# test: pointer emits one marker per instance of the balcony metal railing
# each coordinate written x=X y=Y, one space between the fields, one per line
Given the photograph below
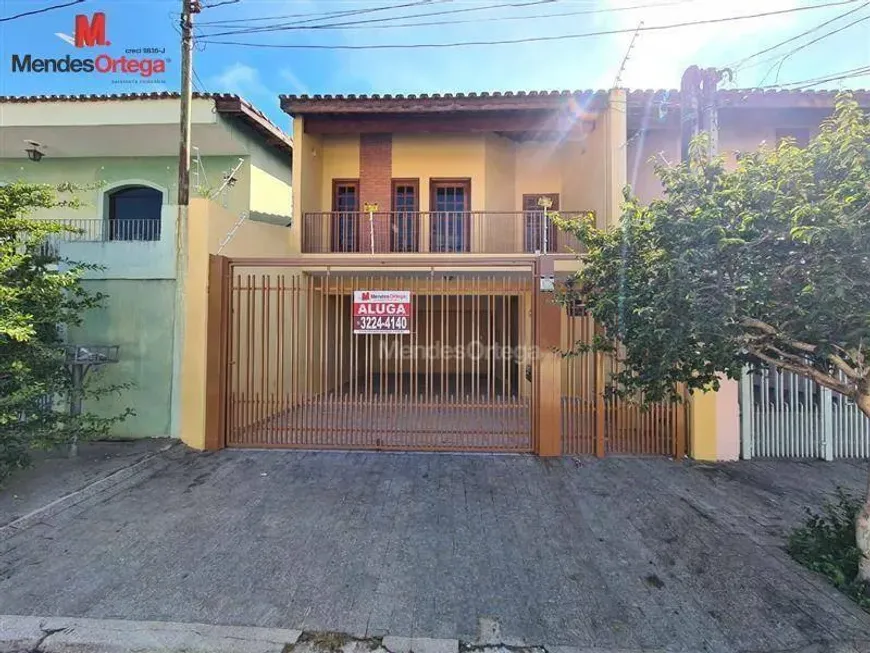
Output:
x=488 y=232
x=100 y=230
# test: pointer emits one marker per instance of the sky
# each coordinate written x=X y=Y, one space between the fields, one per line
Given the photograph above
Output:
x=656 y=60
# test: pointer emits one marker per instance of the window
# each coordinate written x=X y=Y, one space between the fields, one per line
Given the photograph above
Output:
x=540 y=232
x=450 y=222
x=404 y=218
x=800 y=135
x=134 y=213
x=345 y=214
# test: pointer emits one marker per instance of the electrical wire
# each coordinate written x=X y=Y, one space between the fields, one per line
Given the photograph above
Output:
x=534 y=39
x=832 y=77
x=299 y=26
x=358 y=25
x=809 y=43
x=326 y=14
x=220 y=4
x=40 y=11
x=737 y=65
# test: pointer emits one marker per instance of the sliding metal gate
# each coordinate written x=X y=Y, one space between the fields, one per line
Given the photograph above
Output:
x=784 y=415
x=594 y=422
x=299 y=377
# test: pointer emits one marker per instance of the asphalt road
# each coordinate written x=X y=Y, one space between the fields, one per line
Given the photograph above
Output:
x=619 y=553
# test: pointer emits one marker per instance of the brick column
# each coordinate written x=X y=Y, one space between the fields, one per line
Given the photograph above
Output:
x=375 y=187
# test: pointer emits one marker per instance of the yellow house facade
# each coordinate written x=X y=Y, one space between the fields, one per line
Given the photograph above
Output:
x=411 y=305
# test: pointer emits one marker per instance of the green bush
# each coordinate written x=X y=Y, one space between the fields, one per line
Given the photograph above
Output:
x=826 y=543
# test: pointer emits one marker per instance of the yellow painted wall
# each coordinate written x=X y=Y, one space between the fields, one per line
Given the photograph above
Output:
x=271 y=194
x=340 y=160
x=208 y=225
x=659 y=144
x=434 y=156
x=501 y=233
x=307 y=178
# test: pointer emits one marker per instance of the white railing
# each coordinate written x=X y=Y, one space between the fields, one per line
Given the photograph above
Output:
x=784 y=415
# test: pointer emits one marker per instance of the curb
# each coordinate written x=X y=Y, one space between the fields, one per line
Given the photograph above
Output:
x=22 y=634
x=65 y=635
x=141 y=468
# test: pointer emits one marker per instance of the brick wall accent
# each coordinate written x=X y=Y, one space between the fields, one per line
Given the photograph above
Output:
x=375 y=186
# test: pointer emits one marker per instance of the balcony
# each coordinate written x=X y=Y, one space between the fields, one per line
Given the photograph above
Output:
x=139 y=248
x=95 y=230
x=436 y=232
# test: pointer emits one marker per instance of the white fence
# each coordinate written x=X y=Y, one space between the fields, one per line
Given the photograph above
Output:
x=783 y=415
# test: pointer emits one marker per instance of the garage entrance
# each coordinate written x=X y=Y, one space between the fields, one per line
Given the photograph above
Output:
x=298 y=376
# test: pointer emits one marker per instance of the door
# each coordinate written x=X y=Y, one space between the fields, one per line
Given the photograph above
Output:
x=450 y=221
x=405 y=215
x=345 y=214
x=540 y=232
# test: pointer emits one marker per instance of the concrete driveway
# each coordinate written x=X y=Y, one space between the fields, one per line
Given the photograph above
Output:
x=617 y=554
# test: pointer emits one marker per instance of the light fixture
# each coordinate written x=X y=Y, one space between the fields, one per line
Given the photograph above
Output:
x=33 y=151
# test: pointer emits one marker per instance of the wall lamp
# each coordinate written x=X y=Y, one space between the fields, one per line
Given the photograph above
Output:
x=33 y=152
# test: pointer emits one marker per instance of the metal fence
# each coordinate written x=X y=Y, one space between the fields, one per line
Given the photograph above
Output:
x=453 y=232
x=784 y=415
x=100 y=230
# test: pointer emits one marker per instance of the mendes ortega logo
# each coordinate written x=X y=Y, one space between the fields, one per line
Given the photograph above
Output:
x=136 y=65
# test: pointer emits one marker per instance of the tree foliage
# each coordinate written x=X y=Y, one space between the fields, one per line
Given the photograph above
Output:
x=39 y=295
x=766 y=261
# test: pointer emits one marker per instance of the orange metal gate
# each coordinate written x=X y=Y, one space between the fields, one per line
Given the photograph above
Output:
x=297 y=376
x=593 y=422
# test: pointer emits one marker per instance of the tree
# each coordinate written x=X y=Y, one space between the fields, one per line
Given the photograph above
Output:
x=765 y=263
x=39 y=294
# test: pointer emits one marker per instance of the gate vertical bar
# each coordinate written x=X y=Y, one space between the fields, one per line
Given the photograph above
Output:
x=826 y=401
x=746 y=414
x=217 y=331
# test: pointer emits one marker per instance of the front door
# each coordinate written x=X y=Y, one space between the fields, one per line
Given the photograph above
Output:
x=450 y=221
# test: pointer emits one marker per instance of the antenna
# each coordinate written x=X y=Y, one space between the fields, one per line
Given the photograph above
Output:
x=618 y=79
x=229 y=181
x=200 y=178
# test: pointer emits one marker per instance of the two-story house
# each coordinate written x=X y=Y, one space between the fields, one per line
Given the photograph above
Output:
x=415 y=308
x=124 y=150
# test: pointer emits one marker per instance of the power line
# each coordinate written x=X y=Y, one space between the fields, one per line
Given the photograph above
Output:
x=832 y=77
x=809 y=43
x=563 y=37
x=358 y=25
x=299 y=26
x=739 y=64
x=326 y=14
x=40 y=11
x=220 y=4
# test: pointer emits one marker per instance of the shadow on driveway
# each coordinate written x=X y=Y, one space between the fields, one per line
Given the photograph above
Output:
x=616 y=553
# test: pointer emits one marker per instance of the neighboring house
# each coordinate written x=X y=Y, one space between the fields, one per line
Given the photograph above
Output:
x=126 y=147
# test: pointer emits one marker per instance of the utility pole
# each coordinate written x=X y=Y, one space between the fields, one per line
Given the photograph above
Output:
x=188 y=9
x=699 y=107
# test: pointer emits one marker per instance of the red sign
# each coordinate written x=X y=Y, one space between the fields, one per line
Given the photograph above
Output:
x=381 y=311
x=91 y=33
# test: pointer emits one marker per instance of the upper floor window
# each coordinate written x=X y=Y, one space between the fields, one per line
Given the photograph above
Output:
x=134 y=213
x=404 y=217
x=345 y=207
x=450 y=220
x=800 y=135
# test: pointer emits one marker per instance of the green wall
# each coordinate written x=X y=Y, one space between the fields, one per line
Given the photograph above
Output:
x=138 y=316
